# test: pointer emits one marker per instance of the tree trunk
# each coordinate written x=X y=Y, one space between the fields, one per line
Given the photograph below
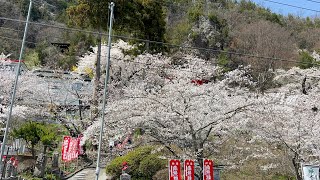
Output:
x=80 y=114
x=296 y=165
x=33 y=152
x=96 y=89
x=198 y=150
x=200 y=157
x=44 y=163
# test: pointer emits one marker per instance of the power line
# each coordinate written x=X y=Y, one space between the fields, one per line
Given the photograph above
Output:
x=44 y=2
x=10 y=29
x=196 y=48
x=53 y=26
x=290 y=5
x=19 y=40
x=313 y=1
x=159 y=42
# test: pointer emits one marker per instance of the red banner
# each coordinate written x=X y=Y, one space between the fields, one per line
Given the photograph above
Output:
x=208 y=169
x=174 y=170
x=65 y=147
x=80 y=149
x=188 y=170
x=70 y=148
x=73 y=149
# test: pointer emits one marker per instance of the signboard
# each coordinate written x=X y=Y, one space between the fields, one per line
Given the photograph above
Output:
x=174 y=170
x=208 y=169
x=70 y=148
x=188 y=170
x=310 y=172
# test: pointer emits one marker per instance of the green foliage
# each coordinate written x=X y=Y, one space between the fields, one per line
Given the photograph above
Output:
x=283 y=177
x=50 y=56
x=32 y=58
x=29 y=131
x=140 y=18
x=150 y=165
x=179 y=33
x=307 y=61
x=247 y=6
x=141 y=162
x=259 y=12
x=138 y=132
x=195 y=11
x=224 y=62
x=221 y=26
x=50 y=177
x=33 y=133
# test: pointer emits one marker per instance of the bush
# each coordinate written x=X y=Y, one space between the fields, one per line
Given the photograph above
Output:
x=142 y=164
x=32 y=59
x=150 y=165
x=179 y=33
x=195 y=12
x=224 y=62
x=307 y=61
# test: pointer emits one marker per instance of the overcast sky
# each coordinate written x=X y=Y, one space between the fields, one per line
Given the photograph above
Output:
x=285 y=10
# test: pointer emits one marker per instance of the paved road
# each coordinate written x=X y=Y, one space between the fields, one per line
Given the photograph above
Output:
x=89 y=174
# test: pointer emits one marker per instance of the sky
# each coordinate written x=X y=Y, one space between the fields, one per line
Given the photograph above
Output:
x=285 y=10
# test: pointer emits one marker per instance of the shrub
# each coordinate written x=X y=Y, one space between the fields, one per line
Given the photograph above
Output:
x=224 y=62
x=306 y=60
x=179 y=33
x=150 y=165
x=142 y=164
x=195 y=12
x=32 y=58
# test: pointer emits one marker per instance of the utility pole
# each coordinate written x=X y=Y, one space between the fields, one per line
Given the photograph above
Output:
x=105 y=91
x=15 y=84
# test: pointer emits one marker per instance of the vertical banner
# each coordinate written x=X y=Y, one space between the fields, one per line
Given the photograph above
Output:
x=310 y=172
x=80 y=149
x=208 y=169
x=188 y=170
x=174 y=169
x=65 y=148
x=70 y=148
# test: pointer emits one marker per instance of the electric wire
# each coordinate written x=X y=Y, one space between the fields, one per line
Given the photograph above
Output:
x=205 y=49
x=164 y=43
x=313 y=1
x=44 y=2
x=11 y=29
x=290 y=5
x=19 y=40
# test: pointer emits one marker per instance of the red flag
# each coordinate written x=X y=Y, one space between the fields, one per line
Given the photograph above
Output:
x=208 y=169
x=188 y=170
x=174 y=170
x=80 y=149
x=65 y=148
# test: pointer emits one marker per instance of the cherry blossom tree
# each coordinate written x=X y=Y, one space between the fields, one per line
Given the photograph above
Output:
x=177 y=104
x=288 y=117
x=44 y=96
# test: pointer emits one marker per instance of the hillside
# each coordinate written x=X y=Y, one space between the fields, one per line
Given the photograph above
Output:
x=221 y=26
x=191 y=106
x=233 y=81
